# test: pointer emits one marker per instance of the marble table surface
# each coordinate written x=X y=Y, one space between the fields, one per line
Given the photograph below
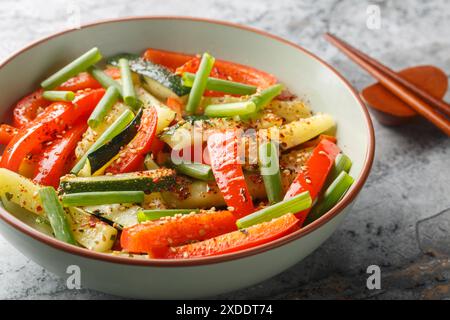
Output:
x=401 y=221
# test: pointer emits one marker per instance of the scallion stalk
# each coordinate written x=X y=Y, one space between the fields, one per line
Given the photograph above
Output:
x=104 y=106
x=199 y=85
x=105 y=80
x=263 y=98
x=128 y=92
x=56 y=215
x=100 y=198
x=341 y=163
x=296 y=204
x=220 y=85
x=230 y=109
x=151 y=215
x=332 y=195
x=196 y=170
x=270 y=171
x=58 y=95
x=72 y=69
x=149 y=163
x=116 y=127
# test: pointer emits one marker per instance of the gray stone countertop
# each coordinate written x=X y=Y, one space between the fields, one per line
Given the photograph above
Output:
x=395 y=223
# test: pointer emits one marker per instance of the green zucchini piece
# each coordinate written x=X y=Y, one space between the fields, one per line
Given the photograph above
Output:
x=147 y=181
x=100 y=157
x=157 y=79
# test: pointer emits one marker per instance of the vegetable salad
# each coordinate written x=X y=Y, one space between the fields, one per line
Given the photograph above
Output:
x=168 y=156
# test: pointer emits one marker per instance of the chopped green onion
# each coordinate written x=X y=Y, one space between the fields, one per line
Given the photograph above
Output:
x=199 y=85
x=151 y=215
x=103 y=107
x=341 y=163
x=58 y=95
x=270 y=171
x=220 y=85
x=56 y=215
x=296 y=204
x=149 y=163
x=263 y=98
x=128 y=93
x=99 y=198
x=105 y=80
x=116 y=127
x=332 y=195
x=196 y=170
x=230 y=109
x=72 y=69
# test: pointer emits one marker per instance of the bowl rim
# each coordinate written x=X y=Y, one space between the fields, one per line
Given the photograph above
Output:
x=111 y=258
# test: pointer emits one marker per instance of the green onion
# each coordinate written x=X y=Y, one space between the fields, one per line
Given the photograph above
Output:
x=149 y=163
x=263 y=98
x=99 y=198
x=128 y=93
x=58 y=95
x=105 y=80
x=103 y=107
x=270 y=171
x=56 y=215
x=199 y=85
x=117 y=127
x=150 y=215
x=220 y=85
x=230 y=109
x=296 y=204
x=72 y=69
x=341 y=163
x=196 y=170
x=332 y=195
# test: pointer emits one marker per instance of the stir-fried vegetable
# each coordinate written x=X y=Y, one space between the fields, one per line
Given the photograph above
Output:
x=201 y=149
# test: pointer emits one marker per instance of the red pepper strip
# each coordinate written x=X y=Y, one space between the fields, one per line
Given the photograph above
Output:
x=156 y=237
x=157 y=146
x=132 y=156
x=223 y=153
x=80 y=82
x=312 y=179
x=87 y=100
x=237 y=240
x=222 y=69
x=27 y=108
x=52 y=121
x=7 y=132
x=53 y=162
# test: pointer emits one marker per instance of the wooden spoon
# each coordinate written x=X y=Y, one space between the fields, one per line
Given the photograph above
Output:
x=390 y=110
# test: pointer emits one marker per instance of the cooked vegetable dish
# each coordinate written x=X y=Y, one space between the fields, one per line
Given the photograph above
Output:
x=168 y=156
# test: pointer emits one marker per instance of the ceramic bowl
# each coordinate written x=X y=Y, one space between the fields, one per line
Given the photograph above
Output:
x=305 y=74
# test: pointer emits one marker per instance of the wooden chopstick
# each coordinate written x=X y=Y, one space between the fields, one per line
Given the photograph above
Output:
x=397 y=88
x=433 y=101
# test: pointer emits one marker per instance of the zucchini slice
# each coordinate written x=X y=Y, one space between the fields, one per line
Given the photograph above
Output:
x=147 y=181
x=101 y=157
x=90 y=232
x=157 y=79
x=123 y=215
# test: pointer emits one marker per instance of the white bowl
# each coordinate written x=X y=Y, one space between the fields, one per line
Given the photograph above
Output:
x=302 y=72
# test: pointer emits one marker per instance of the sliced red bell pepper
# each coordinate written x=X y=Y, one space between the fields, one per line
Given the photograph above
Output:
x=237 y=240
x=316 y=171
x=222 y=69
x=131 y=158
x=55 y=119
x=27 y=108
x=157 y=237
x=223 y=152
x=80 y=82
x=53 y=163
x=7 y=132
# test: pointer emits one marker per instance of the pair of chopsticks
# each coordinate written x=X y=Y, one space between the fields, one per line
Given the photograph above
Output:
x=434 y=110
